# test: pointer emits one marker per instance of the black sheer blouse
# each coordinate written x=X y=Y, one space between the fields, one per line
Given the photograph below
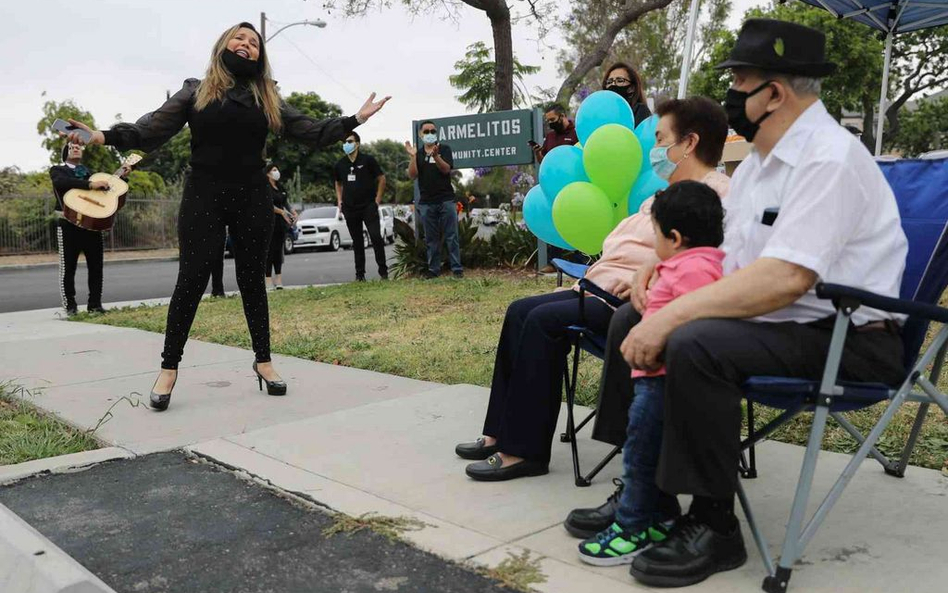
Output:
x=228 y=137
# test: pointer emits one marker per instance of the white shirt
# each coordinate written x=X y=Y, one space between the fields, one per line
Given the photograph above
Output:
x=835 y=215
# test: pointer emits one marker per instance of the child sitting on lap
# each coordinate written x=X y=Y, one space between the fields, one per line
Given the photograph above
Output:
x=689 y=226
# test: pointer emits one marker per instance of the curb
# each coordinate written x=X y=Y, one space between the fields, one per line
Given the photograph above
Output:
x=30 y=563
x=82 y=263
x=59 y=465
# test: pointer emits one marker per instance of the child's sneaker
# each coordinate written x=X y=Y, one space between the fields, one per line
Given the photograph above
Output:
x=614 y=545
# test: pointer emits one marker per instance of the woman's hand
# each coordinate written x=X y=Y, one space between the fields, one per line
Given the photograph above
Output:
x=287 y=217
x=640 y=283
x=73 y=137
x=370 y=108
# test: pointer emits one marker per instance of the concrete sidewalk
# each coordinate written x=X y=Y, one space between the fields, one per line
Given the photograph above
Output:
x=360 y=441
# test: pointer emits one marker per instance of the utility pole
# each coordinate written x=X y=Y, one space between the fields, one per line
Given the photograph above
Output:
x=263 y=25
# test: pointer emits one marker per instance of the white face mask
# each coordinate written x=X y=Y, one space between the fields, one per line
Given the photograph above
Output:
x=275 y=174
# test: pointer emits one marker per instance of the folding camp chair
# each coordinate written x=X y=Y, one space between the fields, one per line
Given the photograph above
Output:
x=921 y=189
x=582 y=339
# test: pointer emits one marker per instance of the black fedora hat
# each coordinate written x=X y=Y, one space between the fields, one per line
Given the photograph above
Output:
x=780 y=46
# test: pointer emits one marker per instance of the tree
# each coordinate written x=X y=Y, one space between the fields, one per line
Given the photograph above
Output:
x=172 y=159
x=392 y=159
x=919 y=65
x=924 y=128
x=497 y=11
x=314 y=166
x=654 y=43
x=97 y=158
x=475 y=76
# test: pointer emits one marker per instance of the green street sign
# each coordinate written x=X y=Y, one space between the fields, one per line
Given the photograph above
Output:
x=487 y=139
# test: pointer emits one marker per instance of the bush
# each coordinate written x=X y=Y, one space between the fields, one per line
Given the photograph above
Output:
x=510 y=246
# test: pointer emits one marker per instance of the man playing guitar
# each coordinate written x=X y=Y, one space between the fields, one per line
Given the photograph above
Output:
x=74 y=240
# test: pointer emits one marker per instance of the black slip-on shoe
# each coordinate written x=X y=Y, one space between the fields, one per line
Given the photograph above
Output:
x=692 y=553
x=475 y=451
x=491 y=470
x=585 y=523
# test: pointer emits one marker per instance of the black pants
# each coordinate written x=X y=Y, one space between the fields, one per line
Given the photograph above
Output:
x=74 y=240
x=615 y=386
x=708 y=360
x=527 y=387
x=275 y=252
x=355 y=217
x=207 y=206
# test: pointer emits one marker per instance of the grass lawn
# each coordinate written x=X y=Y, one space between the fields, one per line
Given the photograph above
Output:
x=446 y=331
x=26 y=433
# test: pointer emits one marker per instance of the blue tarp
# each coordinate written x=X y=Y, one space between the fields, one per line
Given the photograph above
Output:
x=881 y=14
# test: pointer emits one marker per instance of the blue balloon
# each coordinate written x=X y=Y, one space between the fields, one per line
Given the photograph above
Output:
x=645 y=187
x=538 y=214
x=560 y=167
x=645 y=132
x=599 y=109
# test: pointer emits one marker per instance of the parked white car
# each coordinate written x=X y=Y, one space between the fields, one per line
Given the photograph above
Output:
x=325 y=227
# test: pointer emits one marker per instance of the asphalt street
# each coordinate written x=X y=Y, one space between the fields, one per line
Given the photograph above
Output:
x=38 y=287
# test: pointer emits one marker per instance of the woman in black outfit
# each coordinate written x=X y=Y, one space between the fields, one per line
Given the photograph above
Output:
x=230 y=113
x=623 y=80
x=282 y=219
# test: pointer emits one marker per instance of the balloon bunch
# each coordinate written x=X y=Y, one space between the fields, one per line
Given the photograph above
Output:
x=587 y=189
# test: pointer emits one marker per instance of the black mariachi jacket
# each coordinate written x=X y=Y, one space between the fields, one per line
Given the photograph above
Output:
x=228 y=137
x=66 y=178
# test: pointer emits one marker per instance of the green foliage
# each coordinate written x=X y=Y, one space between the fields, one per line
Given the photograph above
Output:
x=924 y=128
x=171 y=160
x=145 y=183
x=475 y=77
x=97 y=158
x=314 y=165
x=393 y=160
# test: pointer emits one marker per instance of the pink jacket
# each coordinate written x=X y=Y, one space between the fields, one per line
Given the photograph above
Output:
x=685 y=272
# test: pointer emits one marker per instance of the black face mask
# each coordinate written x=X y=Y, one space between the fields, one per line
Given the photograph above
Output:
x=623 y=91
x=557 y=127
x=735 y=104
x=240 y=67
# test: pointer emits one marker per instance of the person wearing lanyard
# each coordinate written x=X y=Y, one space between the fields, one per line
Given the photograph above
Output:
x=432 y=168
x=283 y=217
x=360 y=184
x=808 y=203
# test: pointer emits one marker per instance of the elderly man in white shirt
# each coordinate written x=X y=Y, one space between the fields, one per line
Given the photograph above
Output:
x=808 y=204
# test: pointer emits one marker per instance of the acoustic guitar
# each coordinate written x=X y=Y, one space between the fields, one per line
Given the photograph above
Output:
x=95 y=209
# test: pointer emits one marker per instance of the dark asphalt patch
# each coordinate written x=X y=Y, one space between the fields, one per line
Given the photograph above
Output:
x=165 y=523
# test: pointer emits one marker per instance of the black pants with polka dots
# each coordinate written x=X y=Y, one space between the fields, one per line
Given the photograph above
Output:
x=207 y=207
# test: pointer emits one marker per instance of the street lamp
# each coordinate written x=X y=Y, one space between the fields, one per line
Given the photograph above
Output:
x=263 y=26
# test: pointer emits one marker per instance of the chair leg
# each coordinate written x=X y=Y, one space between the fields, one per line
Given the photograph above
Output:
x=570 y=426
x=749 y=466
x=605 y=461
x=586 y=420
x=755 y=530
x=899 y=469
x=860 y=439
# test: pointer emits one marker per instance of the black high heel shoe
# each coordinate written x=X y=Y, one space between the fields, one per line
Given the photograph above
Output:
x=160 y=401
x=273 y=387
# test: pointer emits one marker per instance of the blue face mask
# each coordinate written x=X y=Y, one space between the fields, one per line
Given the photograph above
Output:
x=348 y=147
x=430 y=138
x=662 y=166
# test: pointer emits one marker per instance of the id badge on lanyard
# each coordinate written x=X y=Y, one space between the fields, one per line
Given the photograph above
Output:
x=352 y=175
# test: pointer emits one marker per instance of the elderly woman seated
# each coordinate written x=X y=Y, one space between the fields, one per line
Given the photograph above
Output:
x=527 y=385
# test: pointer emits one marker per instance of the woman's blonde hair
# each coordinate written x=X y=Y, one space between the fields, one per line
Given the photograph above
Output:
x=218 y=79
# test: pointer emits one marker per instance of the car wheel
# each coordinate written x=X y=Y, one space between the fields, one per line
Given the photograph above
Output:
x=288 y=245
x=334 y=242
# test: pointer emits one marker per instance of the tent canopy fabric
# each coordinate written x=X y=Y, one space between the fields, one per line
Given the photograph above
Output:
x=888 y=16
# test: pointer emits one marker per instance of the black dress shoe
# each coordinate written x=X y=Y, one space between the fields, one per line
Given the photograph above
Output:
x=692 y=553
x=71 y=310
x=585 y=523
x=360 y=277
x=95 y=309
x=476 y=450
x=160 y=401
x=273 y=387
x=490 y=470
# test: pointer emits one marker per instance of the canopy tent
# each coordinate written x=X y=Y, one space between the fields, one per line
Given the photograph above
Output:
x=889 y=17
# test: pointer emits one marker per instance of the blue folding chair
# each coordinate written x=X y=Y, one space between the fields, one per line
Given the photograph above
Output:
x=921 y=189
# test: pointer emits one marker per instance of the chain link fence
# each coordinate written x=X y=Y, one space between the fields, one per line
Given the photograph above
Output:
x=28 y=224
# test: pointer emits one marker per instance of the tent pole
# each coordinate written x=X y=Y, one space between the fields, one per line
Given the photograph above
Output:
x=689 y=44
x=884 y=95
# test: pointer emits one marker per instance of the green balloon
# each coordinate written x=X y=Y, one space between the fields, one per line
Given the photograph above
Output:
x=583 y=216
x=612 y=157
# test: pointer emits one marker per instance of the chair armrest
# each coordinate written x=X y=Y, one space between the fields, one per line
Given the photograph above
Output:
x=569 y=268
x=838 y=293
x=591 y=287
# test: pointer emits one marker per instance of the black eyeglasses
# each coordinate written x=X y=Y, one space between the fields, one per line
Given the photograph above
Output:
x=618 y=80
x=550 y=122
x=430 y=131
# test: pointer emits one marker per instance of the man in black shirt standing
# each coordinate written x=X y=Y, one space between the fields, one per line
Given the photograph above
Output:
x=432 y=168
x=360 y=184
x=73 y=239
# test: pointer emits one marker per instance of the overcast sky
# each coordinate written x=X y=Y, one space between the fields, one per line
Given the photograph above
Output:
x=119 y=57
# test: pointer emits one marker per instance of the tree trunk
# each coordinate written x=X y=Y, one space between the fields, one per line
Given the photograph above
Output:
x=630 y=12
x=499 y=14
x=868 y=123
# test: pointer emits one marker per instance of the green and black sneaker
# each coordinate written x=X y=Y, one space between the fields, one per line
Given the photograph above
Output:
x=614 y=545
